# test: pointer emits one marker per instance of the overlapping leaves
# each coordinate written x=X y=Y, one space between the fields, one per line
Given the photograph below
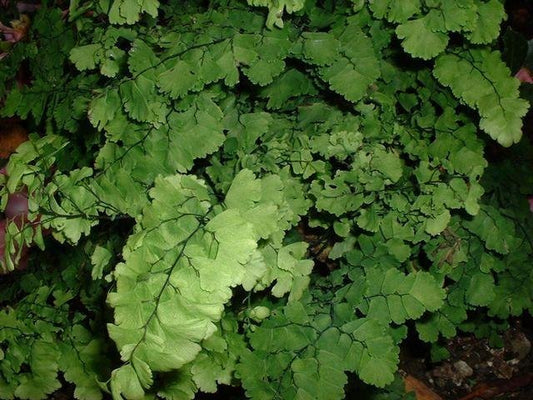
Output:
x=212 y=129
x=482 y=81
x=185 y=256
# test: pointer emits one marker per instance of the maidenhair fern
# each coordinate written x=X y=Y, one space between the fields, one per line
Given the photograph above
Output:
x=267 y=195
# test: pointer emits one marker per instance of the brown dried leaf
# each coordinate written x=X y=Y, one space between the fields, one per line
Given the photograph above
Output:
x=422 y=391
x=11 y=136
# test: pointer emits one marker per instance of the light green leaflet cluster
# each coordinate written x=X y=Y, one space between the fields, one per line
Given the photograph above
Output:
x=262 y=195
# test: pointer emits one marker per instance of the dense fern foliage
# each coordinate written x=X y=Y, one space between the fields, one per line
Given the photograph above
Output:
x=269 y=195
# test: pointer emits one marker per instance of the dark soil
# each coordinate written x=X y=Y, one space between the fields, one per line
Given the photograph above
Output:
x=475 y=370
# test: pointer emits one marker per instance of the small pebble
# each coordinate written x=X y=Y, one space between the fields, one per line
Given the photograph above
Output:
x=520 y=345
x=463 y=369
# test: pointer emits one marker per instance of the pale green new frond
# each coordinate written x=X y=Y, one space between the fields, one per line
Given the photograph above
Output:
x=179 y=269
x=480 y=79
x=285 y=269
x=274 y=204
